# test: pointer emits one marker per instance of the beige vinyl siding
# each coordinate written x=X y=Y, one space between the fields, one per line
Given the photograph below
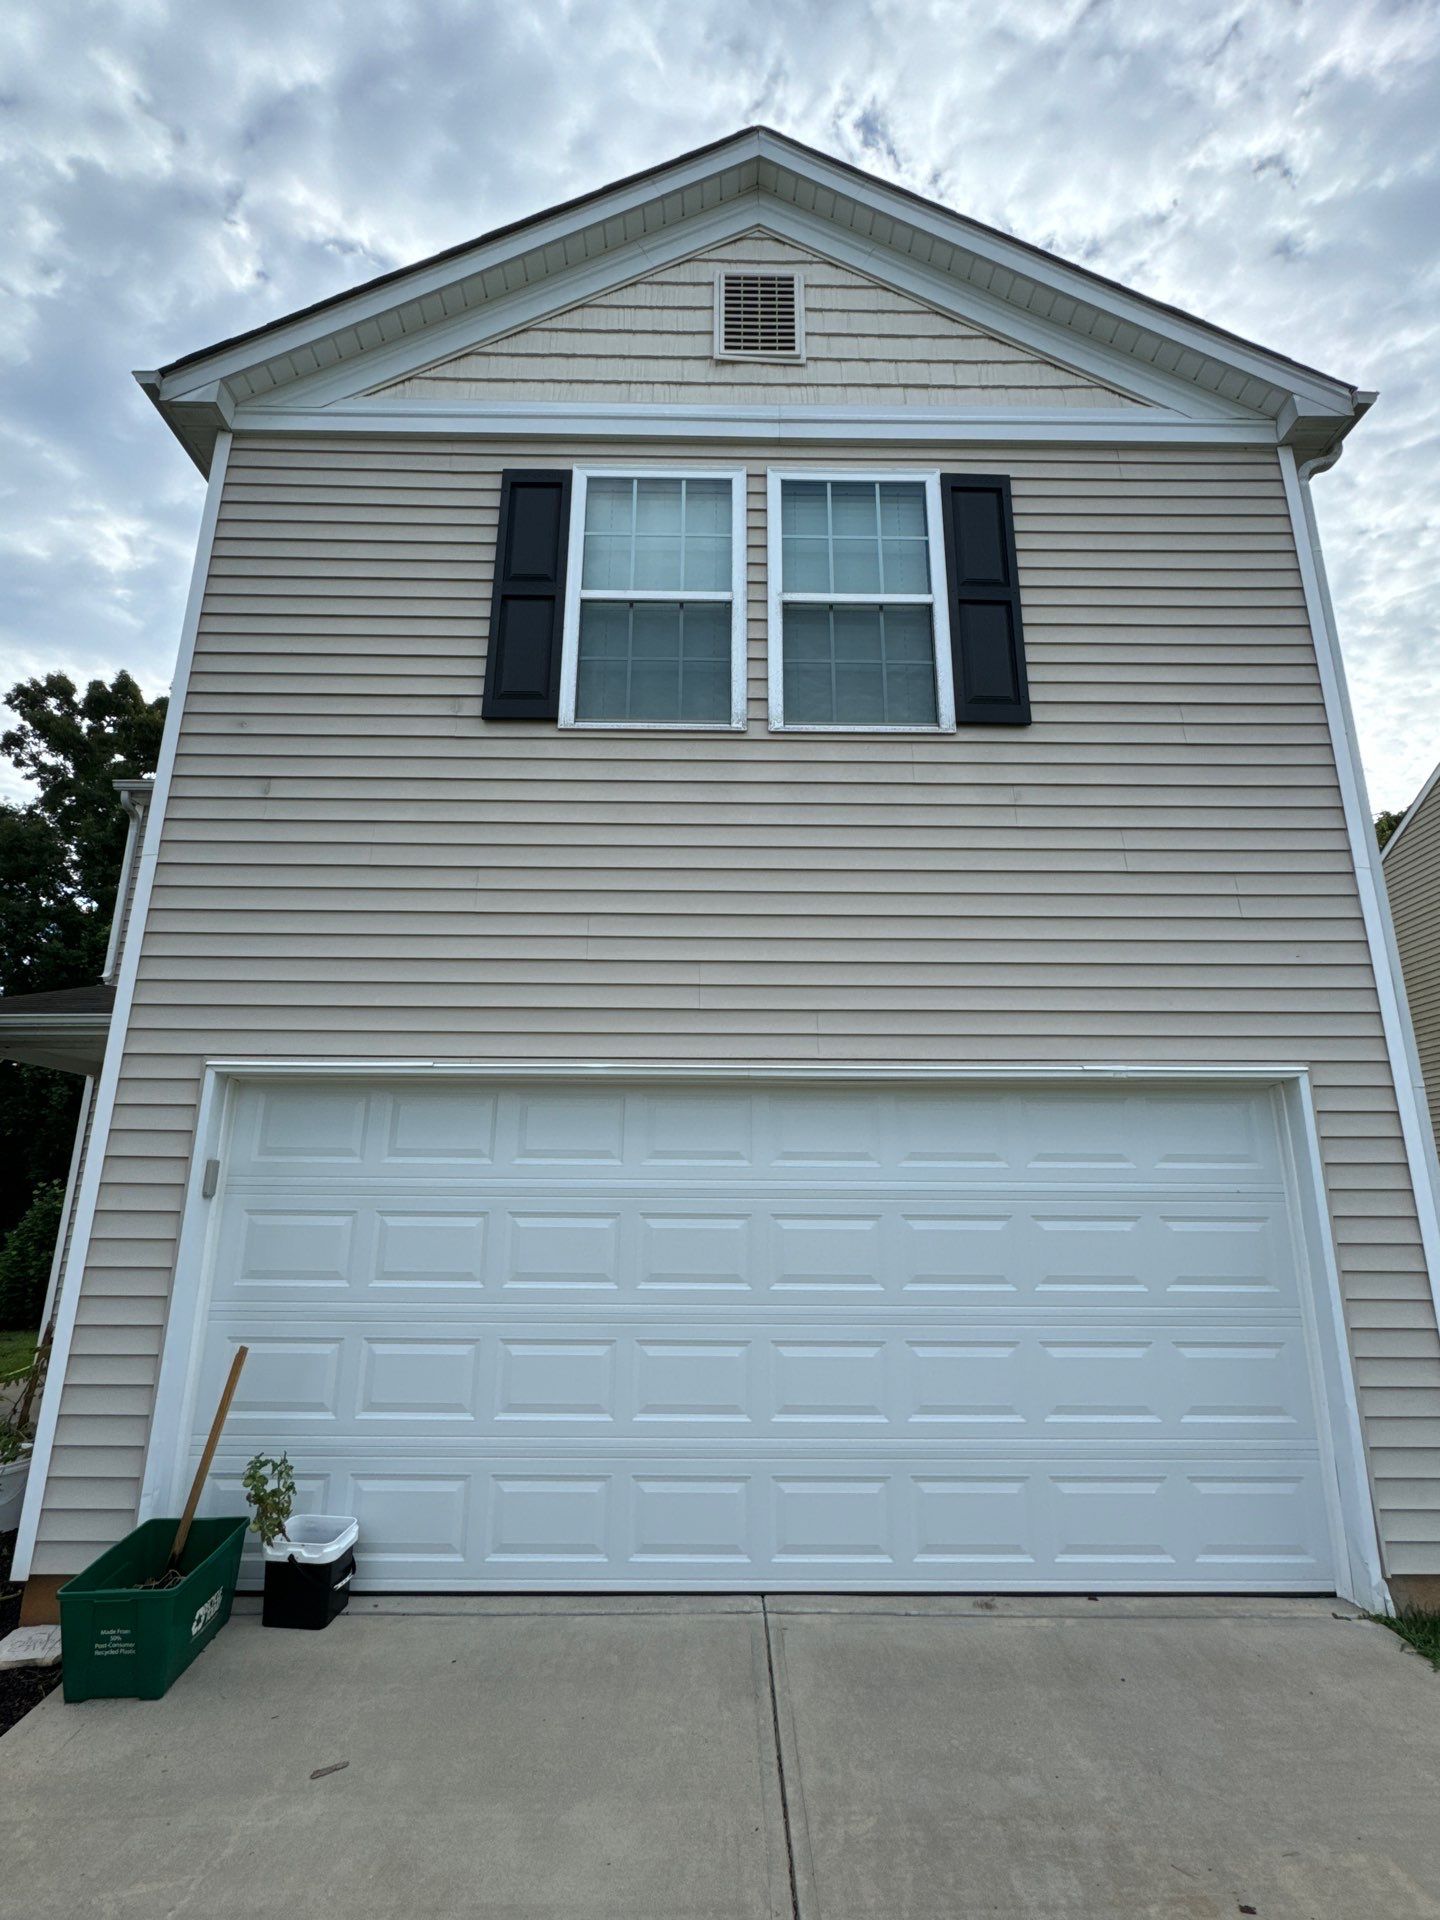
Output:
x=353 y=864
x=1412 y=877
x=653 y=342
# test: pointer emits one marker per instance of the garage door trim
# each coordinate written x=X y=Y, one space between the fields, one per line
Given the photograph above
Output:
x=1347 y=1488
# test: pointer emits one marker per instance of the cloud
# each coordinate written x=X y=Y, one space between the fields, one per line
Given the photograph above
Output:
x=1274 y=167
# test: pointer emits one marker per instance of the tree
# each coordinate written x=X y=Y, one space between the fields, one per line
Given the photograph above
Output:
x=72 y=747
x=1386 y=823
x=25 y=1257
x=60 y=859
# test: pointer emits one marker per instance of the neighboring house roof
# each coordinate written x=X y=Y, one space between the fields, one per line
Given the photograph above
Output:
x=65 y=1028
x=1410 y=812
x=619 y=232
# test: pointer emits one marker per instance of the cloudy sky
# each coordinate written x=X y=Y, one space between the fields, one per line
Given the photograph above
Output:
x=176 y=173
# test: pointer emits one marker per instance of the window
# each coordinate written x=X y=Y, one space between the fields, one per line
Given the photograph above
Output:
x=655 y=602
x=758 y=317
x=859 y=635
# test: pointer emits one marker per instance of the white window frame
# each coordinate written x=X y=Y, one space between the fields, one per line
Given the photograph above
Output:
x=575 y=596
x=722 y=352
x=938 y=601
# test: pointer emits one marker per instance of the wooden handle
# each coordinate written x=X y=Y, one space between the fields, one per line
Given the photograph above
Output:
x=182 y=1532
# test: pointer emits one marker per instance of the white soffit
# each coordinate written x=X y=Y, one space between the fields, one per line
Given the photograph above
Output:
x=328 y=355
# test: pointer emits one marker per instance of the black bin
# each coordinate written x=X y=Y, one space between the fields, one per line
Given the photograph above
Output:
x=309 y=1571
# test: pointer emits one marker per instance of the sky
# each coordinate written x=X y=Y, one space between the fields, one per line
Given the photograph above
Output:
x=171 y=174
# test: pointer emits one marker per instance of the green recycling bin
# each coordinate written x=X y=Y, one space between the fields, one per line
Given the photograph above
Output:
x=121 y=1642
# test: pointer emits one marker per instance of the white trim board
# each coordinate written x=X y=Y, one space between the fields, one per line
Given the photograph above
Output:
x=1365 y=855
x=1349 y=1494
x=574 y=424
x=69 y=1300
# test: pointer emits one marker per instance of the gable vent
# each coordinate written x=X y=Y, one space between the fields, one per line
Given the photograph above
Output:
x=759 y=316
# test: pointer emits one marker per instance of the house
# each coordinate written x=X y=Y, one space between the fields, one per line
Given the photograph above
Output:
x=1411 y=865
x=759 y=961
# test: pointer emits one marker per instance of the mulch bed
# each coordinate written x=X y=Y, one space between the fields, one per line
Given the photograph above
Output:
x=21 y=1688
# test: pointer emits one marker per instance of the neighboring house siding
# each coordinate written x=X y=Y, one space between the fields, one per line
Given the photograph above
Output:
x=653 y=342
x=353 y=864
x=1412 y=877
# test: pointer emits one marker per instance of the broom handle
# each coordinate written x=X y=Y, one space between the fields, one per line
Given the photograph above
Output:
x=182 y=1532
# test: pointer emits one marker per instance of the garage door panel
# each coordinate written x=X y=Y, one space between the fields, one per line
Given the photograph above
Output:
x=1077 y=1135
x=569 y=1519
x=763 y=1250
x=572 y=1334
x=1051 y=1384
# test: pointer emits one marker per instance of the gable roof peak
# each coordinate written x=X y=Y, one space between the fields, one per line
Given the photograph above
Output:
x=774 y=175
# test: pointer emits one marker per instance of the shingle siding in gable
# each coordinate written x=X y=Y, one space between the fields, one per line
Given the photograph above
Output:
x=652 y=342
x=353 y=864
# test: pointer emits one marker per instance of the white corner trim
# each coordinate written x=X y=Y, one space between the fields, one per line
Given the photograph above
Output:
x=67 y=1206
x=69 y=1301
x=1351 y=1498
x=1374 y=900
x=1410 y=812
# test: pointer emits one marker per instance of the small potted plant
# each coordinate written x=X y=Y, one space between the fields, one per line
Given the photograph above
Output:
x=15 y=1445
x=309 y=1557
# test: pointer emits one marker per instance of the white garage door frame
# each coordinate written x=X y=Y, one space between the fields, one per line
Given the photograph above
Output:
x=1358 y=1571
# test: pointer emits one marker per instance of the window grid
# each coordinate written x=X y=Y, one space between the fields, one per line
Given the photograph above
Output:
x=781 y=597
x=677 y=590
x=890 y=692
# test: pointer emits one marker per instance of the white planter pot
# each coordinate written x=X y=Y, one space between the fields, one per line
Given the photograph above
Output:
x=12 y=1491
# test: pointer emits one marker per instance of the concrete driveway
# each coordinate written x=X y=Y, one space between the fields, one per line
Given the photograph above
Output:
x=723 y=1759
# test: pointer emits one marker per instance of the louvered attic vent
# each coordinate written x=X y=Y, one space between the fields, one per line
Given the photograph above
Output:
x=759 y=317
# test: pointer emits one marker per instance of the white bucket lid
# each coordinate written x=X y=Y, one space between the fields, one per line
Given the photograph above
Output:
x=315 y=1538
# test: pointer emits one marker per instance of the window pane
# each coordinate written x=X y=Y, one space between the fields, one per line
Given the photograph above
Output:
x=854 y=536
x=653 y=660
x=859 y=666
x=655 y=535
x=852 y=510
x=610 y=506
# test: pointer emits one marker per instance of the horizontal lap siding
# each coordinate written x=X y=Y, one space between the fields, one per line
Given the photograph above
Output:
x=1155 y=871
x=652 y=342
x=1412 y=876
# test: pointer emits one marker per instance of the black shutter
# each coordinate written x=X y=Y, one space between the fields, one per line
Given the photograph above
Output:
x=522 y=663
x=986 y=638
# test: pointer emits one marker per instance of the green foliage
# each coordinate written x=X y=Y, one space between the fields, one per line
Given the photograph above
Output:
x=38 y=1113
x=26 y=1254
x=1418 y=1628
x=60 y=857
x=72 y=746
x=1386 y=823
x=270 y=1490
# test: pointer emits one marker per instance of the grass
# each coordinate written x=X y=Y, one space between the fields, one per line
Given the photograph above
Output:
x=1417 y=1628
x=17 y=1349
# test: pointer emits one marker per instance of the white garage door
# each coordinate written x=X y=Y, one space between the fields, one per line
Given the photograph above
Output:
x=544 y=1335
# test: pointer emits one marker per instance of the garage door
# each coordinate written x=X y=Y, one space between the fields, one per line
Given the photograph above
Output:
x=739 y=1335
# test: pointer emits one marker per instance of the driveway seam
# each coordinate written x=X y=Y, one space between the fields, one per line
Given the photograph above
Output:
x=781 y=1745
